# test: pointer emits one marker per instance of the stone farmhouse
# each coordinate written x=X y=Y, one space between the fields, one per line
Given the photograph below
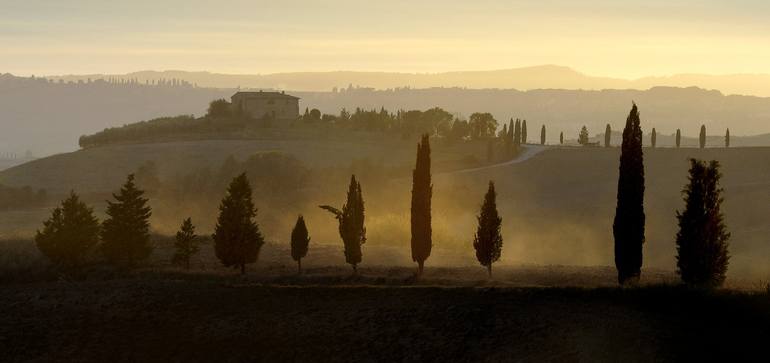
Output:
x=266 y=105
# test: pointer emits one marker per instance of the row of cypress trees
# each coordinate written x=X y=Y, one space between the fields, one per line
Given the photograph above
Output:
x=678 y=137
x=702 y=240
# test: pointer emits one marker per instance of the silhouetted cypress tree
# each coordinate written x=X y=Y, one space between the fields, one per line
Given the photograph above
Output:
x=561 y=138
x=678 y=138
x=237 y=239
x=517 y=134
x=511 y=134
x=524 y=131
x=126 y=231
x=701 y=242
x=583 y=136
x=653 y=138
x=703 y=136
x=542 y=135
x=607 y=135
x=488 y=241
x=299 y=242
x=351 y=223
x=186 y=244
x=504 y=134
x=70 y=234
x=628 y=227
x=727 y=138
x=422 y=192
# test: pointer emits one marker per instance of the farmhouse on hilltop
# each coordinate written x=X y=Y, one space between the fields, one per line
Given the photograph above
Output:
x=272 y=105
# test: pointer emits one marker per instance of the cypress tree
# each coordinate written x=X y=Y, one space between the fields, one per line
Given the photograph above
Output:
x=653 y=138
x=186 y=244
x=702 y=136
x=351 y=223
x=422 y=192
x=678 y=138
x=561 y=138
x=126 y=232
x=488 y=241
x=70 y=234
x=299 y=242
x=524 y=132
x=237 y=239
x=517 y=134
x=607 y=135
x=701 y=242
x=628 y=227
x=727 y=138
x=542 y=135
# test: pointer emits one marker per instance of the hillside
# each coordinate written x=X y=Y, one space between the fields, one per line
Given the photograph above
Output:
x=557 y=206
x=74 y=109
x=524 y=78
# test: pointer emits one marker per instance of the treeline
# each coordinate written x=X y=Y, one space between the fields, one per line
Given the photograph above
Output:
x=221 y=118
x=23 y=197
x=702 y=258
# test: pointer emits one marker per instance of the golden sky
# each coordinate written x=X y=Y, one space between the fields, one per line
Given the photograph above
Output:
x=626 y=39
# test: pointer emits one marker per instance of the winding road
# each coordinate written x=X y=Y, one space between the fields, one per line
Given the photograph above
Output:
x=529 y=152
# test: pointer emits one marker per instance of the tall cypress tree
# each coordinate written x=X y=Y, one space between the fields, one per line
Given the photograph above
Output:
x=727 y=138
x=517 y=134
x=542 y=135
x=70 y=234
x=702 y=137
x=561 y=138
x=237 y=239
x=628 y=227
x=607 y=135
x=678 y=138
x=299 y=242
x=422 y=192
x=653 y=138
x=126 y=231
x=701 y=242
x=488 y=241
x=524 y=131
x=351 y=223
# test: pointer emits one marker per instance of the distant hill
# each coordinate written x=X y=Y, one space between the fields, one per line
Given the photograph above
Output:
x=525 y=78
x=47 y=117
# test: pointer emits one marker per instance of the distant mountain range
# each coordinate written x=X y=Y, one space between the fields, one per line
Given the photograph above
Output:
x=527 y=78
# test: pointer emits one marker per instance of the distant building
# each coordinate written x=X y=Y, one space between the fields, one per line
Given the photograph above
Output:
x=272 y=105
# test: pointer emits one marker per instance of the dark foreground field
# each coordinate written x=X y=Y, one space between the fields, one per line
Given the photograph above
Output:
x=216 y=318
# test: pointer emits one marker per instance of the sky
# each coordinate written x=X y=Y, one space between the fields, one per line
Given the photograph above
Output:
x=624 y=39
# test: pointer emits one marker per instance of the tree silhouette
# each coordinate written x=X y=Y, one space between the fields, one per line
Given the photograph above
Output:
x=488 y=241
x=727 y=138
x=186 y=244
x=237 y=239
x=678 y=138
x=511 y=145
x=351 y=223
x=542 y=135
x=583 y=136
x=561 y=138
x=653 y=138
x=702 y=136
x=70 y=234
x=628 y=227
x=422 y=192
x=299 y=242
x=701 y=242
x=524 y=132
x=126 y=232
x=607 y=135
x=517 y=134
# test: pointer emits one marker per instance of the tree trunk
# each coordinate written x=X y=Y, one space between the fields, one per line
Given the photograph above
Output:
x=355 y=269
x=243 y=269
x=420 y=265
x=299 y=266
x=489 y=270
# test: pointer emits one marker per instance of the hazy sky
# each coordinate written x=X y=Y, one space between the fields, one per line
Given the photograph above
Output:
x=626 y=39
